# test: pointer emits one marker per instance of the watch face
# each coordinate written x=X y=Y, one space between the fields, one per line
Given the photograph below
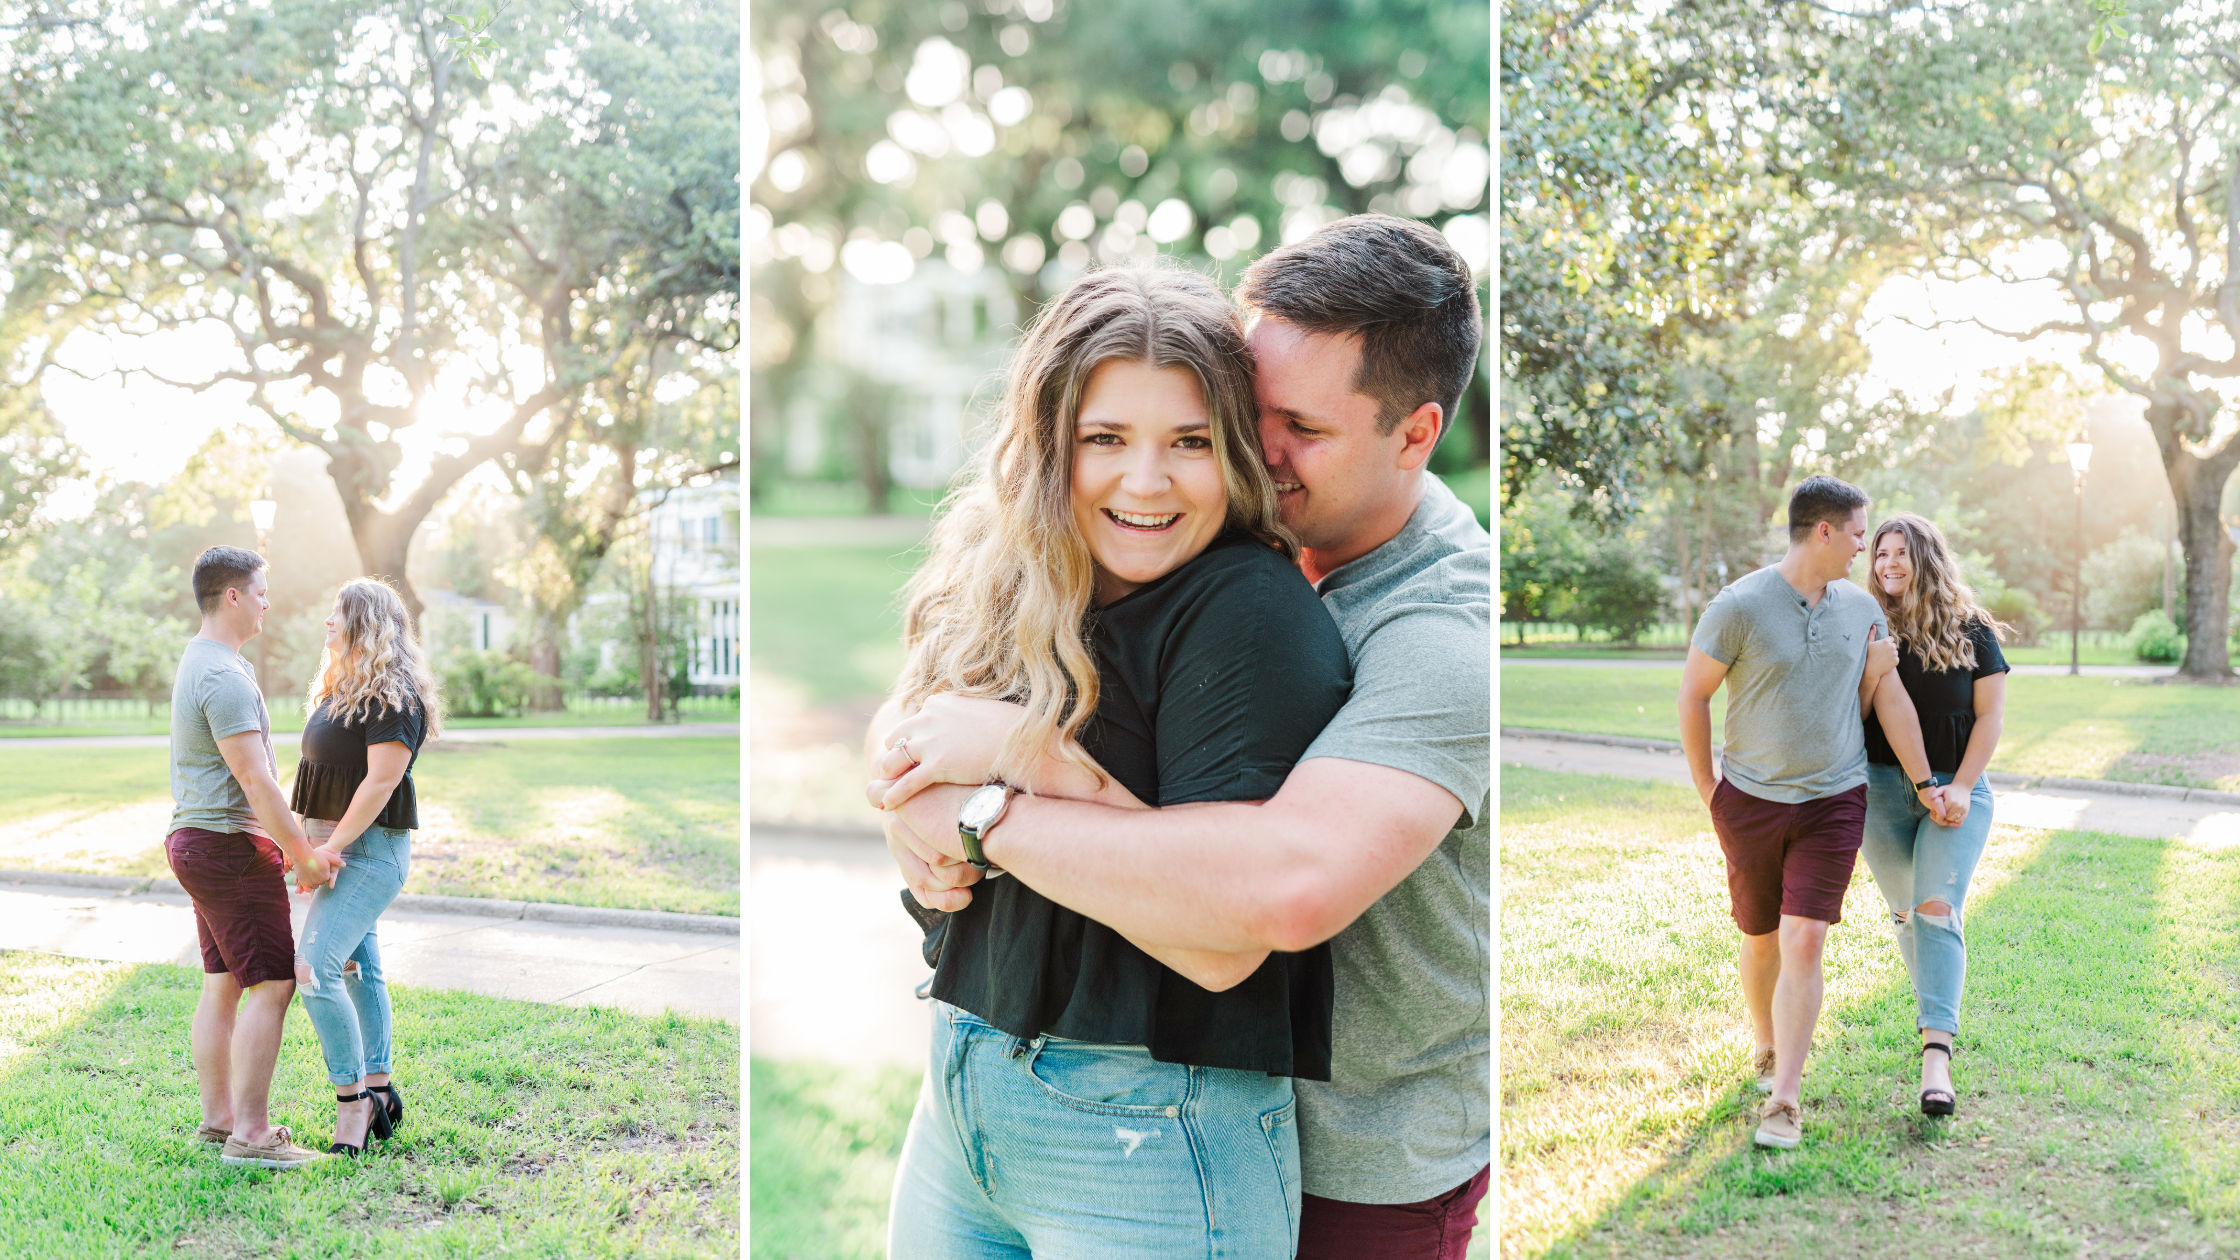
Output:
x=981 y=806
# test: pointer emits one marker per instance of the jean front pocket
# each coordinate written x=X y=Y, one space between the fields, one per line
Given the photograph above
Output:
x=1107 y=1080
x=1282 y=1127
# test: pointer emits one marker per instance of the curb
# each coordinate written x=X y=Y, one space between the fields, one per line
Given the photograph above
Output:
x=1998 y=778
x=818 y=830
x=1614 y=741
x=485 y=907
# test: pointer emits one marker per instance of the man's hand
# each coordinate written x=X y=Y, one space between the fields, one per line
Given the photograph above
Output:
x=313 y=870
x=939 y=884
x=922 y=838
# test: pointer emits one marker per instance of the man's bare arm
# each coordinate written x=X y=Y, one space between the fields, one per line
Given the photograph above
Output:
x=941 y=882
x=1231 y=878
x=1699 y=681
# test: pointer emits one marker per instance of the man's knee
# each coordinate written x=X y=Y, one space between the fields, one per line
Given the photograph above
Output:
x=1798 y=933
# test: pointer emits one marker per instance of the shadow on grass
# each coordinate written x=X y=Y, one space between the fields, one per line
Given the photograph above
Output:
x=2098 y=982
x=530 y=1131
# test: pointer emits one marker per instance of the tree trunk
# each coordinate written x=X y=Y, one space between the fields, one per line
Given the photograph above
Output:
x=1680 y=558
x=2199 y=485
x=384 y=541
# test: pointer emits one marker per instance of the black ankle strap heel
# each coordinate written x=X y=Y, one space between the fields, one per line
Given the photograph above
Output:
x=1938 y=1102
x=377 y=1118
x=395 y=1100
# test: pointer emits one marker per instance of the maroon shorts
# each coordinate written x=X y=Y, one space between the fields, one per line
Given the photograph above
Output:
x=1787 y=859
x=1436 y=1229
x=240 y=892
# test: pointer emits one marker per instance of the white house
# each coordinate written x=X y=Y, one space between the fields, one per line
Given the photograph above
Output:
x=938 y=338
x=696 y=550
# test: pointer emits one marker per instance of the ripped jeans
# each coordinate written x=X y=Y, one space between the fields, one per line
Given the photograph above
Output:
x=338 y=958
x=1049 y=1149
x=1916 y=861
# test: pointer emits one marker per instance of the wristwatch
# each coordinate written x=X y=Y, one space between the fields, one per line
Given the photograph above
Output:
x=1925 y=784
x=981 y=812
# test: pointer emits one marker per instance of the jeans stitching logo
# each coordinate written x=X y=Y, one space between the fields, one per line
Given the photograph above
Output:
x=1133 y=1138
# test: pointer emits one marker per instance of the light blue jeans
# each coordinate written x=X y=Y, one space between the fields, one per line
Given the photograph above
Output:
x=1072 y=1150
x=1915 y=860
x=350 y=1009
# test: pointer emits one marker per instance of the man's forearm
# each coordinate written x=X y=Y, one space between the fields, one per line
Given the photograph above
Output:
x=1120 y=867
x=271 y=809
x=1695 y=741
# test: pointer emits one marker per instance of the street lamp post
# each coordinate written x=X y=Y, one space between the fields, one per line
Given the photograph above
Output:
x=2080 y=459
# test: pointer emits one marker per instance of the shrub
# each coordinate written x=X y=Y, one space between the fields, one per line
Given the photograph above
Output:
x=1618 y=591
x=2018 y=608
x=2154 y=637
x=486 y=684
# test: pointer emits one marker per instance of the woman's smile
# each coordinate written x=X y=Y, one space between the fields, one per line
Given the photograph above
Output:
x=1150 y=523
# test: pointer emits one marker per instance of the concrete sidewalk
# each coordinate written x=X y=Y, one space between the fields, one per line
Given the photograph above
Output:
x=470 y=735
x=836 y=960
x=641 y=970
x=2208 y=819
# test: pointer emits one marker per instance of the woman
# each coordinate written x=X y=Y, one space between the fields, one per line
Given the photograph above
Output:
x=1950 y=663
x=1116 y=570
x=371 y=707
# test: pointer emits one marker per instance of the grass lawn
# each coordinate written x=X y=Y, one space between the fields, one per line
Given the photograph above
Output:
x=825 y=1141
x=2088 y=728
x=828 y=618
x=530 y=1131
x=640 y=823
x=2099 y=1082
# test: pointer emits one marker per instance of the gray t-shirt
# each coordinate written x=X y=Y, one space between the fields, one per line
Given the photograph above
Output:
x=1405 y=1115
x=1793 y=668
x=214 y=696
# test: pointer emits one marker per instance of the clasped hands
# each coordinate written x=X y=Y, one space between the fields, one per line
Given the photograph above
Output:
x=932 y=760
x=326 y=863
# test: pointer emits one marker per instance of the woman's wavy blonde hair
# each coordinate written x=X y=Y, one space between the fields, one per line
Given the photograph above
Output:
x=1932 y=618
x=377 y=660
x=999 y=608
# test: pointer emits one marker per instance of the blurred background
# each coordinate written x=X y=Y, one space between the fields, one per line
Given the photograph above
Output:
x=921 y=178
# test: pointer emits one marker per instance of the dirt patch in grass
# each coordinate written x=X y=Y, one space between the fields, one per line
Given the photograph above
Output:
x=2209 y=768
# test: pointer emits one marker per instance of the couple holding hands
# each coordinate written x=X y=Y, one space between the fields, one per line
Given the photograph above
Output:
x=1858 y=724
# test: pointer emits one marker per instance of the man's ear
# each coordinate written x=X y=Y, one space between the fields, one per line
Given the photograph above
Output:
x=1419 y=434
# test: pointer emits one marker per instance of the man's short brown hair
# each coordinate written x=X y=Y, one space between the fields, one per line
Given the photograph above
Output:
x=219 y=568
x=1400 y=286
x=1822 y=498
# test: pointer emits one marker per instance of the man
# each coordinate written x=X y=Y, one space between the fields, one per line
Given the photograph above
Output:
x=1792 y=644
x=1365 y=335
x=229 y=815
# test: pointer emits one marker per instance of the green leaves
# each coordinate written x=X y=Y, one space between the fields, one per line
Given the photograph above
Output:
x=2105 y=16
x=474 y=42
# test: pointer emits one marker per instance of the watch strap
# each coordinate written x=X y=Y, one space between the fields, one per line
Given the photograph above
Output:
x=1925 y=784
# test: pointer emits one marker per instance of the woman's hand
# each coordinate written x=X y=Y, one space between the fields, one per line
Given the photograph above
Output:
x=1955 y=804
x=950 y=739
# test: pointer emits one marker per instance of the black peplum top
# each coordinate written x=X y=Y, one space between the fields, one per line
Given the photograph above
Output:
x=334 y=762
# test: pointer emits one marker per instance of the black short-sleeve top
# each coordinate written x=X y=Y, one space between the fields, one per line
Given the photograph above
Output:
x=334 y=761
x=1213 y=679
x=1945 y=700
